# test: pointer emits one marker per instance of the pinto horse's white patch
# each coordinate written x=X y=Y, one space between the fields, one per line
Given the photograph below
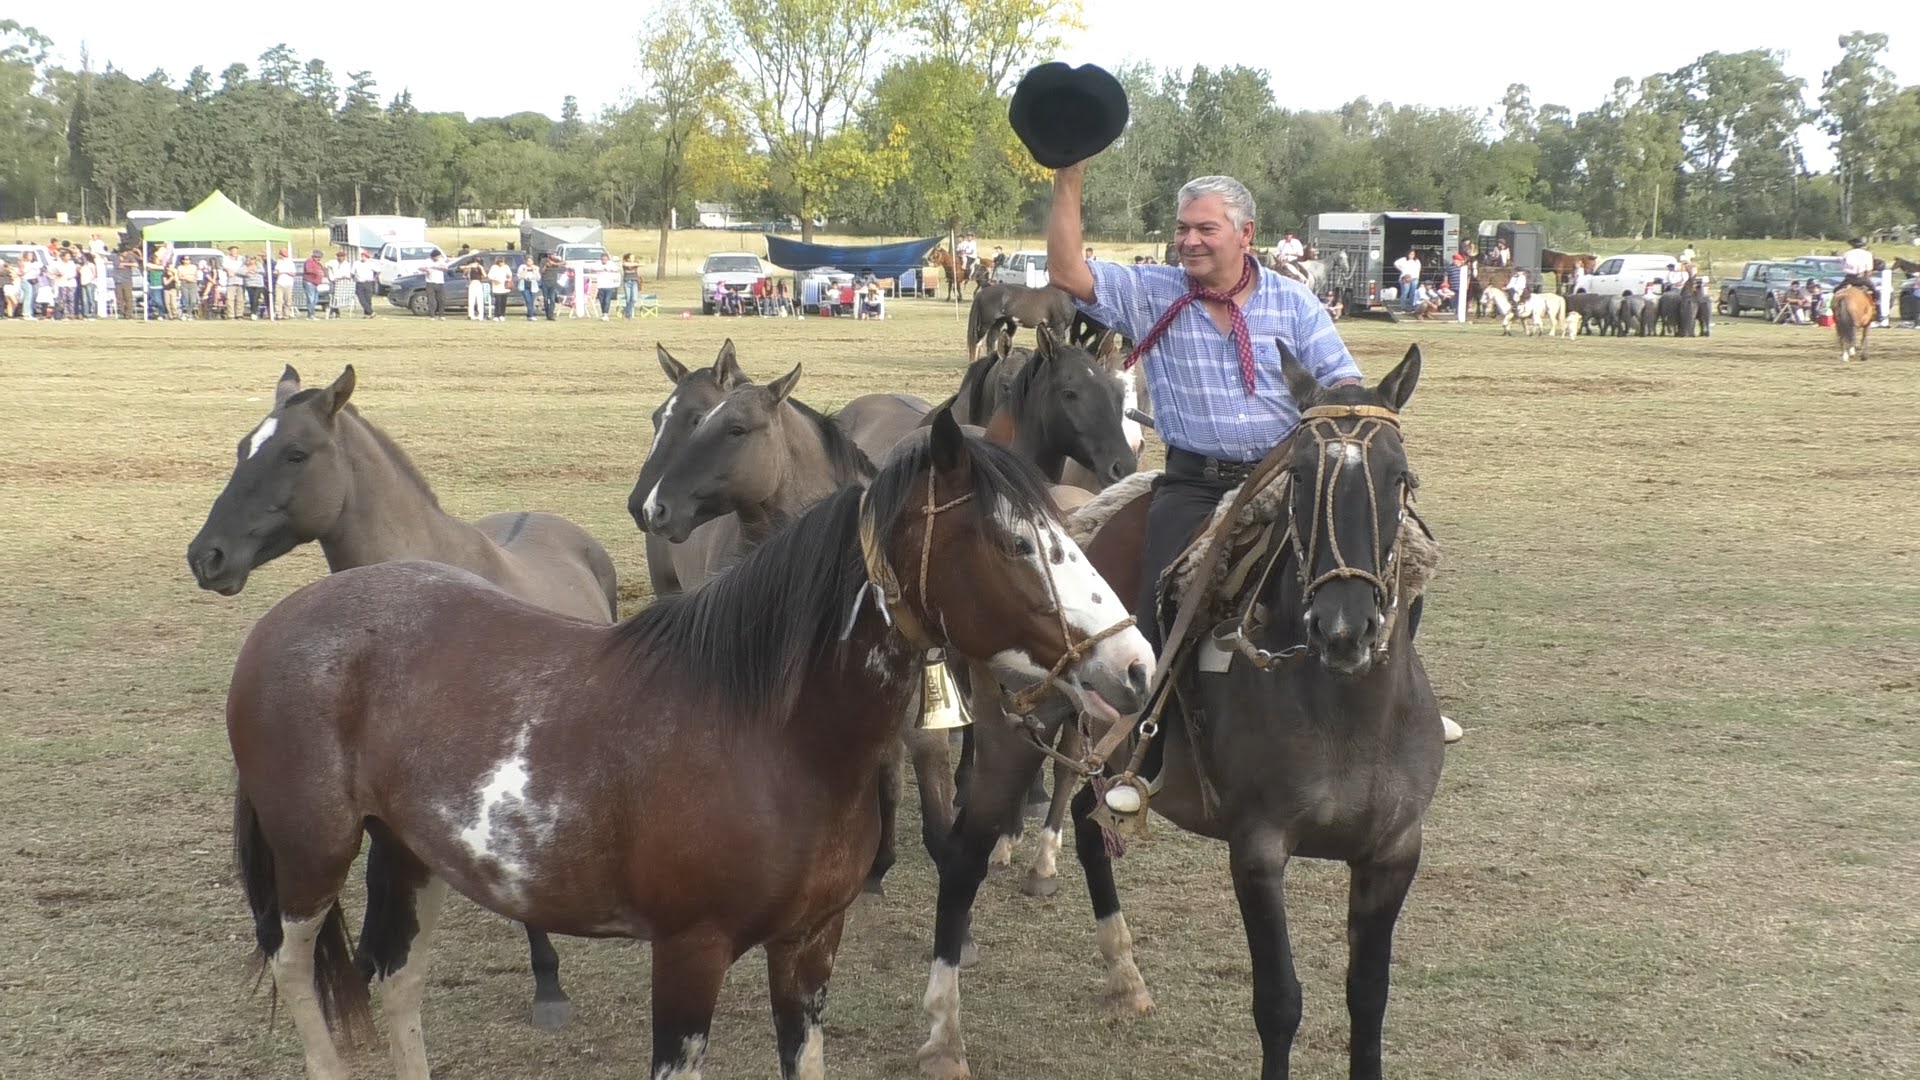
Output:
x=507 y=781
x=261 y=434
x=692 y=1049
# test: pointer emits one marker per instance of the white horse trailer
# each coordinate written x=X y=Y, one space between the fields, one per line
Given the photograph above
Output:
x=1373 y=242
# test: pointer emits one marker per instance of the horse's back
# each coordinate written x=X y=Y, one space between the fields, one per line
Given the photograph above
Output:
x=877 y=422
x=557 y=564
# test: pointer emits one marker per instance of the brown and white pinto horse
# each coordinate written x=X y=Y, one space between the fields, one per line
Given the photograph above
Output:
x=702 y=776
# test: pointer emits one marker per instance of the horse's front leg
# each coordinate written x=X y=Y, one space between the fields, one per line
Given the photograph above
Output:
x=891 y=779
x=1373 y=906
x=687 y=972
x=1259 y=864
x=797 y=975
x=1043 y=877
x=1126 y=991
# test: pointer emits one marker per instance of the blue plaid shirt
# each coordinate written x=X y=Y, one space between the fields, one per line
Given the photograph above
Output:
x=1193 y=373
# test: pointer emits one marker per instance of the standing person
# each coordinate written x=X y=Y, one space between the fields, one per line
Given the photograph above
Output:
x=285 y=271
x=606 y=280
x=186 y=283
x=89 y=276
x=258 y=274
x=1409 y=268
x=235 y=265
x=436 y=284
x=528 y=278
x=27 y=277
x=365 y=283
x=475 y=273
x=157 y=273
x=629 y=283
x=583 y=291
x=313 y=274
x=499 y=287
x=550 y=275
x=340 y=285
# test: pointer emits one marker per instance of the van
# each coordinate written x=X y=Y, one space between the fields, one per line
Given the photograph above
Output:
x=1628 y=273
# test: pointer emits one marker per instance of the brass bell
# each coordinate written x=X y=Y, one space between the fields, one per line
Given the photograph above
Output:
x=940 y=704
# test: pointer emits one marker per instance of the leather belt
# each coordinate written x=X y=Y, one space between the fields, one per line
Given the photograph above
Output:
x=1186 y=463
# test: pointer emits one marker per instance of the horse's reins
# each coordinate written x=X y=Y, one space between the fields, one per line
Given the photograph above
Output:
x=1321 y=422
x=893 y=597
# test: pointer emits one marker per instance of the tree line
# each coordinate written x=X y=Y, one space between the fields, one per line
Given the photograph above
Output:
x=889 y=116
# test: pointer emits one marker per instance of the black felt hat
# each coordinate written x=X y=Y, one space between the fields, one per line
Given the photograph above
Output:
x=1067 y=114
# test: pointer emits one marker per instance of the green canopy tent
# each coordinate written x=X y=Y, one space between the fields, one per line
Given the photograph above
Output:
x=217 y=220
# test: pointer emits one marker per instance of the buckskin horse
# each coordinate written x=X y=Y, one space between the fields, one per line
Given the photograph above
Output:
x=315 y=469
x=701 y=776
x=1852 y=318
x=1031 y=307
x=1320 y=738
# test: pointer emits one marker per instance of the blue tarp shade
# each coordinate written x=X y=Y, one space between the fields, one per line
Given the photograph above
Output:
x=885 y=260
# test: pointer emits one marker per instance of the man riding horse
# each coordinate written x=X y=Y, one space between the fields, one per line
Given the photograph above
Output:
x=1858 y=265
x=1212 y=331
x=968 y=252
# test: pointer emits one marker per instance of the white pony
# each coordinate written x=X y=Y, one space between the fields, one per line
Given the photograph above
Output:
x=1545 y=313
x=1502 y=305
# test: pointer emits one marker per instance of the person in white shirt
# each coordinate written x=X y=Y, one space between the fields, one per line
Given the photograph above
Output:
x=1858 y=265
x=1501 y=255
x=436 y=285
x=499 y=284
x=1290 y=249
x=968 y=253
x=1409 y=268
x=364 y=283
x=286 y=270
x=1687 y=254
x=339 y=284
x=1517 y=286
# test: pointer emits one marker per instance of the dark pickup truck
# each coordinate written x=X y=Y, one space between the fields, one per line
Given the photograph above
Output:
x=1762 y=286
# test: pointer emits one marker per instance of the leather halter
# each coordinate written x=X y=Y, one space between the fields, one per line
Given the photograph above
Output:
x=894 y=605
x=1320 y=423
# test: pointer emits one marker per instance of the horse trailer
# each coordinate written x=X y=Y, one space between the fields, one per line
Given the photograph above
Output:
x=1372 y=243
x=1527 y=242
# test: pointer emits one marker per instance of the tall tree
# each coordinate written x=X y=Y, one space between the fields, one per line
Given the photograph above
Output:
x=684 y=65
x=1729 y=103
x=803 y=67
x=361 y=129
x=996 y=38
x=1854 y=92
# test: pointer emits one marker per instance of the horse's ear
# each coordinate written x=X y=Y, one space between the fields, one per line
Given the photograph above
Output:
x=726 y=367
x=675 y=369
x=1300 y=382
x=1048 y=344
x=1000 y=336
x=1398 y=386
x=784 y=385
x=289 y=385
x=948 y=442
x=340 y=391
x=1105 y=344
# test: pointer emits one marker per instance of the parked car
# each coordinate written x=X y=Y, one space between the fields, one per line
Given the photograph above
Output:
x=1627 y=273
x=1761 y=286
x=1828 y=270
x=735 y=271
x=410 y=290
x=1022 y=268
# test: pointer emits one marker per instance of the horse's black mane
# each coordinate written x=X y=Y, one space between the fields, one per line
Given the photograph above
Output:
x=750 y=637
x=381 y=439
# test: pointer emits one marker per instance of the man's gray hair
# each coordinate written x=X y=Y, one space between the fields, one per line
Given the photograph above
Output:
x=1233 y=195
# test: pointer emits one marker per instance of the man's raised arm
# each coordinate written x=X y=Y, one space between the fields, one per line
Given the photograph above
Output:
x=1066 y=264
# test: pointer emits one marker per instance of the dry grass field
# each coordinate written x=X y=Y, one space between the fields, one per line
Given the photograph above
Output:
x=1679 y=617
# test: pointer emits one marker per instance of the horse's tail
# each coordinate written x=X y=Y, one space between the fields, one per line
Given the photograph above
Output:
x=337 y=982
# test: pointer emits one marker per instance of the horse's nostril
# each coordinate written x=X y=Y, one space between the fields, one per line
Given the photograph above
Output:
x=1139 y=677
x=212 y=560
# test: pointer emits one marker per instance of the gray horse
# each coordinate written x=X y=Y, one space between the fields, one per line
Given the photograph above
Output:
x=695 y=392
x=316 y=470
x=1332 y=752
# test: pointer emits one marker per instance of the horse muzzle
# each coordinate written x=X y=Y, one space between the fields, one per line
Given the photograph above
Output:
x=215 y=571
x=1343 y=644
x=1114 y=679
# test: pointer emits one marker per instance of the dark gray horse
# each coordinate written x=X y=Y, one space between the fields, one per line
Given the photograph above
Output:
x=1033 y=308
x=695 y=392
x=1332 y=755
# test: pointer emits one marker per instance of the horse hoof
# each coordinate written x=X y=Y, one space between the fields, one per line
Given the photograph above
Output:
x=1038 y=886
x=1132 y=1005
x=875 y=887
x=552 y=1015
x=1002 y=854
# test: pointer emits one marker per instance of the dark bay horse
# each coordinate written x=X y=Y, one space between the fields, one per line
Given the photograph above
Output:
x=720 y=480
x=702 y=776
x=1331 y=753
x=1051 y=405
x=1045 y=306
x=316 y=470
x=695 y=392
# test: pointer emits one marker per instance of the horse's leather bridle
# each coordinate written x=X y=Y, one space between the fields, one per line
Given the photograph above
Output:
x=900 y=614
x=1321 y=423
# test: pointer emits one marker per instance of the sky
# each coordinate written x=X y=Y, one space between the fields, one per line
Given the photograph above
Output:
x=1317 y=57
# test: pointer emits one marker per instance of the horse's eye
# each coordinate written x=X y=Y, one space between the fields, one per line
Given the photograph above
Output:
x=296 y=456
x=736 y=431
x=1023 y=547
x=1070 y=395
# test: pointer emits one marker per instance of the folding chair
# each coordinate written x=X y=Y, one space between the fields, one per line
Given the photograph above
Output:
x=649 y=307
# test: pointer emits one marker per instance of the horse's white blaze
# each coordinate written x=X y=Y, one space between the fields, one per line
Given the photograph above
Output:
x=261 y=434
x=1349 y=453
x=652 y=505
x=666 y=414
x=711 y=413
